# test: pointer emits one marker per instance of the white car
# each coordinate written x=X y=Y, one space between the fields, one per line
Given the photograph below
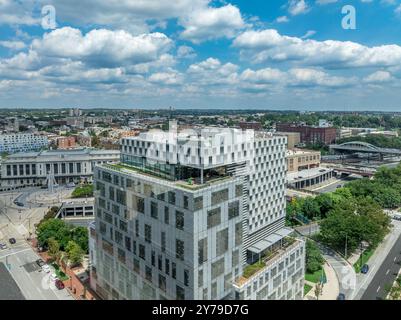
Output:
x=53 y=277
x=3 y=246
x=46 y=268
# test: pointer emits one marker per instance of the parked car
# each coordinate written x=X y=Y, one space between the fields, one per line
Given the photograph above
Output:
x=40 y=263
x=53 y=277
x=59 y=284
x=19 y=204
x=46 y=268
x=12 y=240
x=3 y=246
x=365 y=269
x=341 y=296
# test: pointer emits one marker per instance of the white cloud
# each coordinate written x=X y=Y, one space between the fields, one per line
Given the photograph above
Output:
x=13 y=45
x=186 y=52
x=297 y=7
x=379 y=77
x=269 y=45
x=212 y=23
x=17 y=12
x=102 y=47
x=282 y=19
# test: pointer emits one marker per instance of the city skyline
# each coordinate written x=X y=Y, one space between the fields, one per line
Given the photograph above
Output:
x=286 y=55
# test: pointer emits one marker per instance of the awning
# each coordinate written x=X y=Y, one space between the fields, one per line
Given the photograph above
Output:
x=284 y=232
x=264 y=244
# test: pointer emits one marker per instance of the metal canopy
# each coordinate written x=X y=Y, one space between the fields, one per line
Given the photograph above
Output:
x=284 y=232
x=262 y=245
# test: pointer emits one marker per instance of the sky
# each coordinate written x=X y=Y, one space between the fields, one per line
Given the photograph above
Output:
x=201 y=54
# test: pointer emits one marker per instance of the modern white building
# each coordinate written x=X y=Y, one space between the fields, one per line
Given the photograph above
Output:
x=196 y=215
x=22 y=142
x=65 y=166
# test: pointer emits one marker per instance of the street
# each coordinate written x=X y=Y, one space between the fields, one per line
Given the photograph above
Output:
x=19 y=259
x=386 y=274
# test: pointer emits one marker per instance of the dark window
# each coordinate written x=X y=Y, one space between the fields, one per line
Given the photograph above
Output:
x=213 y=217
x=174 y=270
x=154 y=210
x=139 y=204
x=148 y=273
x=142 y=252
x=171 y=197
x=233 y=209
x=166 y=215
x=180 y=293
x=179 y=249
x=163 y=241
x=148 y=233
x=179 y=220
x=202 y=251
x=167 y=266
x=186 y=277
x=162 y=283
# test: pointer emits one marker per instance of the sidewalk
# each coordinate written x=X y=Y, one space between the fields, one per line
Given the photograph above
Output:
x=330 y=289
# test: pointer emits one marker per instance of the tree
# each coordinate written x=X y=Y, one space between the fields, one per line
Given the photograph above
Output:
x=54 y=249
x=353 y=221
x=52 y=228
x=310 y=208
x=74 y=253
x=314 y=259
x=81 y=237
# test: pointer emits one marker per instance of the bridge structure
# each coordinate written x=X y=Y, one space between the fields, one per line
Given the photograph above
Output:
x=363 y=147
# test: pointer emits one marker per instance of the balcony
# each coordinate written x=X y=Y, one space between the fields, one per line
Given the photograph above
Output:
x=266 y=260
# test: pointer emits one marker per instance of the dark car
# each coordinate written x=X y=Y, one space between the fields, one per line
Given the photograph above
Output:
x=40 y=263
x=19 y=204
x=12 y=240
x=365 y=269
x=59 y=284
x=341 y=296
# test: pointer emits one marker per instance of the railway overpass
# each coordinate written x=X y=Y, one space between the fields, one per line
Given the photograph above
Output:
x=363 y=147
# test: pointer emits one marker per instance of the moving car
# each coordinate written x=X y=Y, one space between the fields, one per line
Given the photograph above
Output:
x=3 y=246
x=40 y=263
x=365 y=269
x=12 y=240
x=46 y=268
x=59 y=284
x=341 y=296
x=19 y=204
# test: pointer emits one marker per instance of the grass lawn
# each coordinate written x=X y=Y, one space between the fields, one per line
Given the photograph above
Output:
x=365 y=258
x=60 y=274
x=307 y=288
x=315 y=277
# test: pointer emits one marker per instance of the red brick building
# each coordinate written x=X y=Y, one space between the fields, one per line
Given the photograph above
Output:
x=66 y=143
x=310 y=134
x=250 y=125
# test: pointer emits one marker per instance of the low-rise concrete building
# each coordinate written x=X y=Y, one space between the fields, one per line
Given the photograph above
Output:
x=65 y=166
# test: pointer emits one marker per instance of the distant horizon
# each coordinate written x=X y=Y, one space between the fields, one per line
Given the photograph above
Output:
x=234 y=109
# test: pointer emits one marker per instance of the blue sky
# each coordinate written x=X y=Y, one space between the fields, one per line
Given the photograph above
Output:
x=284 y=54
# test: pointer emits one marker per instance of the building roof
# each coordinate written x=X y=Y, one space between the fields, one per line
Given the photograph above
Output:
x=9 y=288
x=307 y=174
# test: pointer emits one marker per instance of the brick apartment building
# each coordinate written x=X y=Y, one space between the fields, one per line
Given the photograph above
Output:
x=310 y=134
